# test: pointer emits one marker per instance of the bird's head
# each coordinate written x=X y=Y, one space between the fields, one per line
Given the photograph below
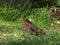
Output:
x=23 y=19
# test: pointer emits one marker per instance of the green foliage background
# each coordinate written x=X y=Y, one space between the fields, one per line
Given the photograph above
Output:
x=12 y=31
x=39 y=17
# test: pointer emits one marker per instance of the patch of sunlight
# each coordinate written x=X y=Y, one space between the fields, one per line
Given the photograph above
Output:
x=16 y=35
x=6 y=23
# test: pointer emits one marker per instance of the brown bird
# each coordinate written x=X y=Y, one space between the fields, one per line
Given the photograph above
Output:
x=30 y=27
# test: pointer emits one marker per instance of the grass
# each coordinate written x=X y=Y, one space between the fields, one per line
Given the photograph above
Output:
x=41 y=17
x=12 y=33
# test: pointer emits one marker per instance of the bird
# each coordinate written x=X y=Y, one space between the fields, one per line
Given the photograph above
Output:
x=30 y=27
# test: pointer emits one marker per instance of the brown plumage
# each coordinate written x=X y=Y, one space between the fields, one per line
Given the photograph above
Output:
x=30 y=27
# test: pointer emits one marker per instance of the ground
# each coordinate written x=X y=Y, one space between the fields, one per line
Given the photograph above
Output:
x=12 y=33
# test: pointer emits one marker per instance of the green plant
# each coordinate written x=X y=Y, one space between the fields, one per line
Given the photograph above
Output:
x=41 y=17
x=9 y=14
x=12 y=14
x=58 y=3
